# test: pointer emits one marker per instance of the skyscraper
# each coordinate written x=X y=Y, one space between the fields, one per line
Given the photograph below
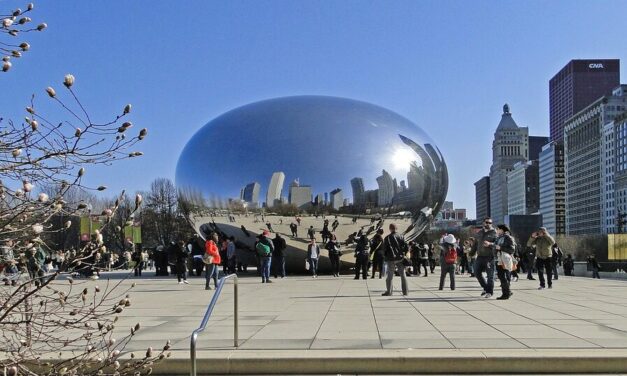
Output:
x=251 y=193
x=337 y=199
x=522 y=188
x=274 y=189
x=386 y=188
x=552 y=188
x=575 y=86
x=357 y=184
x=482 y=197
x=510 y=146
x=535 y=146
x=588 y=179
x=299 y=195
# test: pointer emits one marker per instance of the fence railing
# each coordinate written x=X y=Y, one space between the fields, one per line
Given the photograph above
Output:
x=205 y=319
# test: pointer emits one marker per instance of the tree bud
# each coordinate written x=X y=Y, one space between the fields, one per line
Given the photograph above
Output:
x=78 y=131
x=7 y=22
x=34 y=125
x=25 y=46
x=127 y=109
x=42 y=26
x=30 y=6
x=16 y=53
x=51 y=92
x=27 y=186
x=6 y=66
x=81 y=172
x=17 y=12
x=68 y=80
x=16 y=153
x=143 y=133
x=42 y=197
x=38 y=228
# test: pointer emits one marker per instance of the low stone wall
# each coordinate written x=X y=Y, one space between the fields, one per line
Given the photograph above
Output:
x=581 y=270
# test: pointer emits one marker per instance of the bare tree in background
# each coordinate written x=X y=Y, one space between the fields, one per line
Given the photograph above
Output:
x=43 y=161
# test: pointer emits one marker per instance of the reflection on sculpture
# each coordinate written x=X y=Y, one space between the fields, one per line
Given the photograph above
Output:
x=289 y=163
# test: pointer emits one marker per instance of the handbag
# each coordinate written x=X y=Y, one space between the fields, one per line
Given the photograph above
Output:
x=207 y=259
x=506 y=261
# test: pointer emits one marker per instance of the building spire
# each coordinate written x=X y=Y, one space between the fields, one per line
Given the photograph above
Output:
x=506 y=109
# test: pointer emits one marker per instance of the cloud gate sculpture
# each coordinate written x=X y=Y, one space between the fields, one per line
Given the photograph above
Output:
x=344 y=167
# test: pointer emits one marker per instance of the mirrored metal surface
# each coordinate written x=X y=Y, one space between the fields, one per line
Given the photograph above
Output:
x=342 y=166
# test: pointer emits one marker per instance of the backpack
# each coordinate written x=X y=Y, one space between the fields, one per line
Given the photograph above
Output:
x=263 y=249
x=450 y=256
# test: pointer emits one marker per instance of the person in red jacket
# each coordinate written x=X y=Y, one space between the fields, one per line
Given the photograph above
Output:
x=212 y=269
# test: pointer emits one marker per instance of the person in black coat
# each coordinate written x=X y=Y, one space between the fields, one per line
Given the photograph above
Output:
x=181 y=254
x=362 y=256
x=278 y=255
x=504 y=245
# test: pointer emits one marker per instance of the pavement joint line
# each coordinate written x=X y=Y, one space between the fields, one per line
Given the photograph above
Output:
x=430 y=322
x=374 y=317
x=564 y=313
x=337 y=291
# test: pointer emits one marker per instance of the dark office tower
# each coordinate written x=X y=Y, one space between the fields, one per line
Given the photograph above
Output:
x=358 y=190
x=535 y=146
x=482 y=197
x=577 y=85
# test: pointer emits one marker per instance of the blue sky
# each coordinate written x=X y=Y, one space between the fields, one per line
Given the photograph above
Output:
x=449 y=66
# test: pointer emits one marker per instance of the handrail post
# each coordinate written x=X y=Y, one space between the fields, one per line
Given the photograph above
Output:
x=205 y=319
x=235 y=310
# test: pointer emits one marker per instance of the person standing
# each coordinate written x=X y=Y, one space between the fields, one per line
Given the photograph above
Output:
x=569 y=265
x=530 y=259
x=448 y=259
x=543 y=243
x=294 y=229
x=376 y=253
x=485 y=257
x=265 y=249
x=394 y=248
x=557 y=254
x=362 y=253
x=181 y=258
x=212 y=268
x=504 y=245
x=423 y=258
x=139 y=262
x=313 y=255
x=333 y=247
x=311 y=233
x=278 y=256
x=231 y=255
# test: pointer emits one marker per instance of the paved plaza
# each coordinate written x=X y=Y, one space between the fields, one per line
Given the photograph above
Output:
x=300 y=312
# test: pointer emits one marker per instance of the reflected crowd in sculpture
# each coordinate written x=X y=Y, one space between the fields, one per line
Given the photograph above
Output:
x=308 y=160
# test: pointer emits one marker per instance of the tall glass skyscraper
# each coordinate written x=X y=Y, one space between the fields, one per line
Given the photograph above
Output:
x=577 y=85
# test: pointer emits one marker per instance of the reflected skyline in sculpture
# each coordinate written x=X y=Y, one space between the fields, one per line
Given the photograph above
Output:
x=314 y=155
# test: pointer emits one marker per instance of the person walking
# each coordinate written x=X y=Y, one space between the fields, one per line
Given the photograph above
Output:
x=278 y=256
x=504 y=246
x=362 y=253
x=294 y=229
x=313 y=255
x=485 y=257
x=333 y=247
x=395 y=249
x=594 y=265
x=543 y=242
x=376 y=253
x=448 y=259
x=530 y=259
x=311 y=233
x=212 y=261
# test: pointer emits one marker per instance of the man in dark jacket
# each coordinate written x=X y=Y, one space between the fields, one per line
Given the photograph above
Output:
x=362 y=253
x=376 y=253
x=394 y=250
x=278 y=255
x=485 y=257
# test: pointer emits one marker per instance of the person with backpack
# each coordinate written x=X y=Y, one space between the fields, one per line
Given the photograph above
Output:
x=333 y=247
x=362 y=253
x=264 y=248
x=448 y=259
x=211 y=259
x=504 y=246
x=395 y=248
x=313 y=255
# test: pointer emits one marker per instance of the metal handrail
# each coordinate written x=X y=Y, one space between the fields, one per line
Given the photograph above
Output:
x=205 y=319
